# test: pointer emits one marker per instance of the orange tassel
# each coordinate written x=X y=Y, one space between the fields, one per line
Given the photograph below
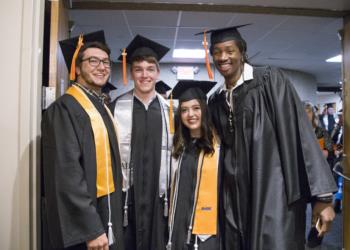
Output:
x=75 y=55
x=171 y=116
x=125 y=80
x=205 y=45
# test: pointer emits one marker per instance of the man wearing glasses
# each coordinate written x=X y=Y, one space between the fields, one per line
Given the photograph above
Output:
x=81 y=164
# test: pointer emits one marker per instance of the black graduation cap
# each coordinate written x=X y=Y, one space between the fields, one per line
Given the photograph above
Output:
x=162 y=87
x=108 y=87
x=68 y=46
x=142 y=46
x=224 y=34
x=329 y=105
x=186 y=90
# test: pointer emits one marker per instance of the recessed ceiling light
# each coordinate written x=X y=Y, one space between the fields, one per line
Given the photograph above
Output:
x=336 y=59
x=189 y=53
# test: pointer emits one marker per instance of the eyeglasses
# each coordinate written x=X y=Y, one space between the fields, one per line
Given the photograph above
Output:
x=95 y=62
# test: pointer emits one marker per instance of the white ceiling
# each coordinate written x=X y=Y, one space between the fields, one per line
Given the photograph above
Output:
x=293 y=42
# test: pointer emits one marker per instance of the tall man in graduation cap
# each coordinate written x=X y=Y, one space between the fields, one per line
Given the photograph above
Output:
x=142 y=117
x=81 y=163
x=272 y=162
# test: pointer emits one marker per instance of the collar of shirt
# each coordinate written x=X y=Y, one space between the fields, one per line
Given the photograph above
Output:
x=148 y=103
x=246 y=75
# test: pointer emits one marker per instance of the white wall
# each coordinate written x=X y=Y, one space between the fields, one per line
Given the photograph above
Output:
x=304 y=83
x=306 y=86
x=323 y=98
x=20 y=70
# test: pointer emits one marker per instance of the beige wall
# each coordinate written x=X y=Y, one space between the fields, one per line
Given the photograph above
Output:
x=20 y=69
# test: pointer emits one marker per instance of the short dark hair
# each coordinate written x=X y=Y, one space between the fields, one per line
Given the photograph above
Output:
x=89 y=45
x=149 y=59
x=182 y=137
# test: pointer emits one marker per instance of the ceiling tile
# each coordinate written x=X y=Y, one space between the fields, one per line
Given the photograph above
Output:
x=97 y=17
x=154 y=33
x=151 y=18
x=205 y=19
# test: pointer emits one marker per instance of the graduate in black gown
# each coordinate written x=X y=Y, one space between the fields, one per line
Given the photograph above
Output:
x=273 y=164
x=81 y=163
x=142 y=117
x=193 y=218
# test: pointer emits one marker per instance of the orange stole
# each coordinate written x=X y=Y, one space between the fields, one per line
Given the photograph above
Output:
x=321 y=142
x=205 y=218
x=103 y=153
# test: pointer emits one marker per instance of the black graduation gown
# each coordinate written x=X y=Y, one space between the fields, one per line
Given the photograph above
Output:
x=73 y=212
x=185 y=202
x=272 y=164
x=147 y=226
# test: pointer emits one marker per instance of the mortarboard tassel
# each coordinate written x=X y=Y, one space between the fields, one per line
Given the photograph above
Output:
x=125 y=221
x=166 y=207
x=75 y=55
x=171 y=117
x=189 y=233
x=125 y=80
x=205 y=45
x=111 y=238
x=196 y=243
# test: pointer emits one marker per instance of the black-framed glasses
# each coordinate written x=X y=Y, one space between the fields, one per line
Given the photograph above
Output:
x=95 y=62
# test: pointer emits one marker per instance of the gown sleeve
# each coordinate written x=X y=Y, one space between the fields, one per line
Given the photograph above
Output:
x=301 y=157
x=72 y=217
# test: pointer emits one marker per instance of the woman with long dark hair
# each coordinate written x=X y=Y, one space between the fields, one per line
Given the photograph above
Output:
x=193 y=218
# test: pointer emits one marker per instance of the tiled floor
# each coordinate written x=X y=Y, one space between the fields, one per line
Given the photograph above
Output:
x=333 y=239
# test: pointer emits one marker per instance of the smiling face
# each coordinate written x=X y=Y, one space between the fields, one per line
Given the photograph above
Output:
x=145 y=75
x=191 y=117
x=94 y=77
x=228 y=59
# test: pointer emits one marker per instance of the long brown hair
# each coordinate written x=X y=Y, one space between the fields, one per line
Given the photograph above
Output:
x=182 y=136
x=310 y=107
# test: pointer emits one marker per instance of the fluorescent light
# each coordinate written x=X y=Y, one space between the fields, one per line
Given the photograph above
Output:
x=336 y=59
x=189 y=53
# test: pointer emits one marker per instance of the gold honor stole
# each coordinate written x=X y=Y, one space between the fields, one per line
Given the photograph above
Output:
x=205 y=218
x=104 y=179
